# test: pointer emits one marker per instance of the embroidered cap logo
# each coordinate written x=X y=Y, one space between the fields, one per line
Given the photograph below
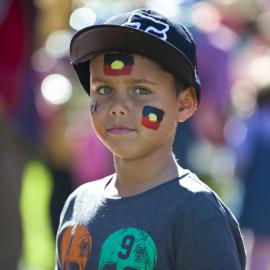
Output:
x=148 y=24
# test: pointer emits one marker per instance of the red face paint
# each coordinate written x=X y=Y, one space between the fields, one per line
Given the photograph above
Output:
x=151 y=117
x=118 y=64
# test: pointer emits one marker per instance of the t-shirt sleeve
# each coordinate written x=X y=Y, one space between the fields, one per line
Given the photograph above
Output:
x=209 y=246
x=66 y=214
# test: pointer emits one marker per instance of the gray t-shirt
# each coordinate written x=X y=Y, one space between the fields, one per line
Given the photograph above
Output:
x=180 y=224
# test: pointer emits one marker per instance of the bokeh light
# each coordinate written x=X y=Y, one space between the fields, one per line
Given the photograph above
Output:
x=224 y=38
x=235 y=131
x=243 y=96
x=82 y=17
x=259 y=69
x=101 y=10
x=226 y=2
x=201 y=151
x=223 y=163
x=57 y=43
x=56 y=89
x=169 y=8
x=205 y=17
x=41 y=61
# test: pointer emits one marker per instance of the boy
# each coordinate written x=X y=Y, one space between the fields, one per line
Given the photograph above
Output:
x=140 y=72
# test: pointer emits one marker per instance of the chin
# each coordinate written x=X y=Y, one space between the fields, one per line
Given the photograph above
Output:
x=125 y=155
x=130 y=155
x=121 y=149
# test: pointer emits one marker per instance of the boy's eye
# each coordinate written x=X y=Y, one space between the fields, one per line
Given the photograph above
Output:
x=141 y=91
x=105 y=90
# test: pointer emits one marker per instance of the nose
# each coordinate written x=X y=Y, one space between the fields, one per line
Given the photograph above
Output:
x=119 y=107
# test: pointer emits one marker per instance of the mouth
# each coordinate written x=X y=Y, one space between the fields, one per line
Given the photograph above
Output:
x=119 y=130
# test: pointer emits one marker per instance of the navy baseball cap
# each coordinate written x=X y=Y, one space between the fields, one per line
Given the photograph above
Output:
x=140 y=31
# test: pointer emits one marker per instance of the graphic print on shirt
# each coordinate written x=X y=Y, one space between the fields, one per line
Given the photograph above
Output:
x=75 y=247
x=117 y=64
x=128 y=248
x=151 y=117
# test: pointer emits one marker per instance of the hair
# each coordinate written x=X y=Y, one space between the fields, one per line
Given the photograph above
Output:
x=180 y=85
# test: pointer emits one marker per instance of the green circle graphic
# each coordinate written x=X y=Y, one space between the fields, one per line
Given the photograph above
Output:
x=128 y=248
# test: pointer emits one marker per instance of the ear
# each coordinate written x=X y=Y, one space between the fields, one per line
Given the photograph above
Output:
x=187 y=104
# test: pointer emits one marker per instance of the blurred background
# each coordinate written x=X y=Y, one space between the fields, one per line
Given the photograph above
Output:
x=47 y=145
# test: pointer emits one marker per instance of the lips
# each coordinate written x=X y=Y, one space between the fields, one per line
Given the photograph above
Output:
x=120 y=130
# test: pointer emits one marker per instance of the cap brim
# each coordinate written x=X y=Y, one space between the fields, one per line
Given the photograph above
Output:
x=97 y=39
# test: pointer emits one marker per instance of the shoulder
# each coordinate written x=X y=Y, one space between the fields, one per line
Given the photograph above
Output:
x=199 y=202
x=193 y=190
x=84 y=194
x=206 y=228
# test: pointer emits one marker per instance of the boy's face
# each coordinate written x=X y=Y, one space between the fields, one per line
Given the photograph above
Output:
x=134 y=106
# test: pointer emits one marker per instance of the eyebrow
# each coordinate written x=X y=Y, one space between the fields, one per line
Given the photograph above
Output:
x=129 y=80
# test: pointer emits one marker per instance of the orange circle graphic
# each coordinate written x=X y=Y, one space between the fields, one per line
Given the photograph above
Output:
x=75 y=247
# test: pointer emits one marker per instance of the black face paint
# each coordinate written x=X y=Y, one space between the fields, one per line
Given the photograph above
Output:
x=94 y=107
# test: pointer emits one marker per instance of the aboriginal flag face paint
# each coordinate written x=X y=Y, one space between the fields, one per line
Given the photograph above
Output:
x=118 y=64
x=151 y=117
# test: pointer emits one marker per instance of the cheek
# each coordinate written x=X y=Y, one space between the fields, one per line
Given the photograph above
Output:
x=94 y=104
x=97 y=123
x=99 y=115
x=169 y=123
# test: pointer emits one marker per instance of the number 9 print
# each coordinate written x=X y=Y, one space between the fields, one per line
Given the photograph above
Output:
x=127 y=245
x=128 y=248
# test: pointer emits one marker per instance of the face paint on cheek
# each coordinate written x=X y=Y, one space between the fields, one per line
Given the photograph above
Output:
x=94 y=107
x=151 y=117
x=118 y=64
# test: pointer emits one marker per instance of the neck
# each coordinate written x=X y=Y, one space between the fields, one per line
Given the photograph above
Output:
x=137 y=175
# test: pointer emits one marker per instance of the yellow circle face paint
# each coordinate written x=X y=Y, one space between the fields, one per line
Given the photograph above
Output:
x=152 y=117
x=117 y=64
